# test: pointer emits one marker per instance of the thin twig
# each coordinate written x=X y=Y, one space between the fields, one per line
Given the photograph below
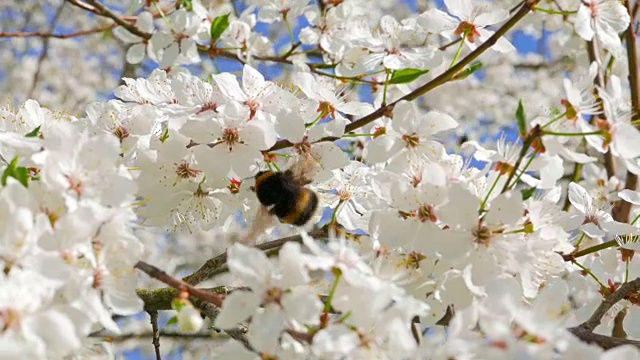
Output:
x=623 y=291
x=605 y=342
x=210 y=267
x=585 y=332
x=44 y=53
x=155 y=340
x=99 y=9
x=115 y=338
x=42 y=34
x=156 y=273
x=439 y=80
x=237 y=333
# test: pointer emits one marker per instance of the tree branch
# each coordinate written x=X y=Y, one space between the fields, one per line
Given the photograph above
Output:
x=585 y=332
x=622 y=209
x=155 y=340
x=436 y=82
x=24 y=34
x=98 y=8
x=44 y=53
x=156 y=273
x=211 y=266
x=625 y=290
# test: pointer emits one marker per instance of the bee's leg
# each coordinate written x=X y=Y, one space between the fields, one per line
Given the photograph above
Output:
x=262 y=222
x=272 y=210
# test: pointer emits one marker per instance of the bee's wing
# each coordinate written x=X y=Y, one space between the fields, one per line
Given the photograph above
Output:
x=304 y=169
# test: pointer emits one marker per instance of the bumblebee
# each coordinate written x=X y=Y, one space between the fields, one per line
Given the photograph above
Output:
x=286 y=195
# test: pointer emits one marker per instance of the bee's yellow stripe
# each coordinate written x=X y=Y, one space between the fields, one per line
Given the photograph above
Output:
x=263 y=177
x=301 y=206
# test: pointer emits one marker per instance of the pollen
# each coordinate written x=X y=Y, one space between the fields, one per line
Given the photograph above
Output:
x=231 y=137
x=253 y=106
x=426 y=213
x=482 y=235
x=468 y=29
x=273 y=295
x=75 y=185
x=121 y=133
x=185 y=171
x=303 y=146
x=344 y=194
x=412 y=140
x=326 y=108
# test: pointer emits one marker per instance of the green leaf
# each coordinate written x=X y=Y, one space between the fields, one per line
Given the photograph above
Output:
x=522 y=120
x=17 y=172
x=527 y=193
x=187 y=4
x=406 y=75
x=177 y=304
x=34 y=132
x=165 y=136
x=218 y=26
x=475 y=66
x=22 y=174
x=173 y=321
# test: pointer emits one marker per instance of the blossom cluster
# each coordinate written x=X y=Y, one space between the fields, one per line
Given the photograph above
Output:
x=420 y=240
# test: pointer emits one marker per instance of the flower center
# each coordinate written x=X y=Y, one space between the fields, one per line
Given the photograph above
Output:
x=482 y=235
x=185 y=171
x=412 y=140
x=426 y=213
x=467 y=30
x=231 y=137
x=234 y=186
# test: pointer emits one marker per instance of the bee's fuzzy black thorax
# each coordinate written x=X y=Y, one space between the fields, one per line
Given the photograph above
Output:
x=292 y=203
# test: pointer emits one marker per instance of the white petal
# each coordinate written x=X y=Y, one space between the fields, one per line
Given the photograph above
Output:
x=120 y=295
x=169 y=56
x=437 y=21
x=506 y=209
x=229 y=86
x=250 y=264
x=136 y=53
x=502 y=45
x=356 y=108
x=252 y=81
x=144 y=21
x=302 y=305
x=626 y=140
x=294 y=272
x=265 y=329
x=237 y=307
x=592 y=230
x=551 y=172
x=435 y=122
x=630 y=196
x=492 y=17
x=618 y=228
x=234 y=350
x=329 y=156
x=259 y=134
x=579 y=197
x=382 y=148
x=460 y=8
x=290 y=126
x=54 y=329
x=125 y=36
x=462 y=208
x=582 y=23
